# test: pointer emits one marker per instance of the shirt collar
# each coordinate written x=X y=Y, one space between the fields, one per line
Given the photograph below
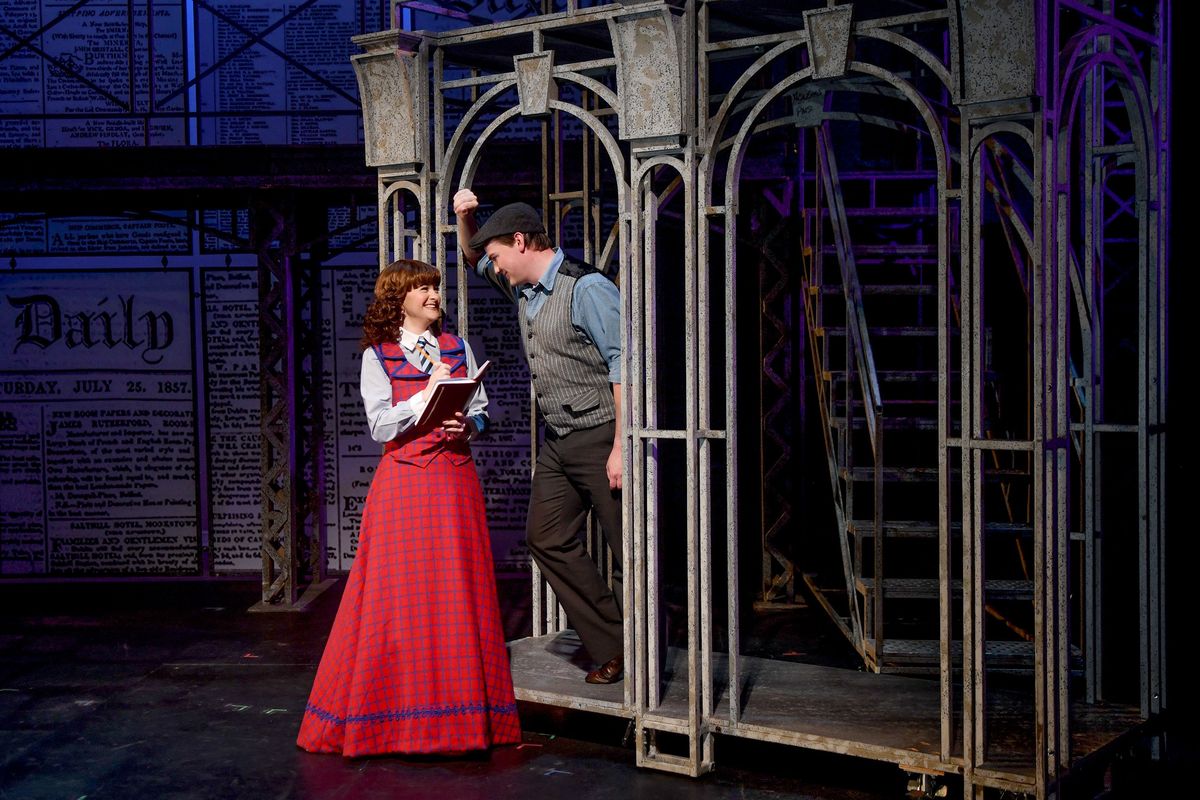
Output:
x=408 y=339
x=545 y=284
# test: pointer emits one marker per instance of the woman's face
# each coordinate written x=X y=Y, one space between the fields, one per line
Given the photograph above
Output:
x=422 y=307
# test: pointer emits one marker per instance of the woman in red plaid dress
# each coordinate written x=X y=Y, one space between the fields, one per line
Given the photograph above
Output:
x=416 y=661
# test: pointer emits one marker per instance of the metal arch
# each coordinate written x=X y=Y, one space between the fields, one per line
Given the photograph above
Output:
x=936 y=132
x=702 y=521
x=918 y=101
x=392 y=236
x=592 y=85
x=1145 y=117
x=1142 y=129
x=866 y=119
x=472 y=159
x=975 y=719
x=640 y=321
x=450 y=154
x=449 y=163
x=954 y=21
x=469 y=164
x=1051 y=420
x=610 y=144
x=979 y=139
x=870 y=119
x=1071 y=71
x=980 y=136
x=1133 y=81
x=657 y=161
x=737 y=150
x=909 y=46
x=733 y=169
x=614 y=150
x=505 y=82
x=718 y=120
x=396 y=186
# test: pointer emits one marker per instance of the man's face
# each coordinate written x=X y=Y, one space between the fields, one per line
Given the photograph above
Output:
x=509 y=259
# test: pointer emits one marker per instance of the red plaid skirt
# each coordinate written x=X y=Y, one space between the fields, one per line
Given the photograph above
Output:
x=416 y=661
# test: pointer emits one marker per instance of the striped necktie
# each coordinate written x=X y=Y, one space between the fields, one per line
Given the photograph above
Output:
x=424 y=360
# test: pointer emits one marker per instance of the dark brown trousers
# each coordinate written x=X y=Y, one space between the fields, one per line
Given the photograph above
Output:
x=568 y=480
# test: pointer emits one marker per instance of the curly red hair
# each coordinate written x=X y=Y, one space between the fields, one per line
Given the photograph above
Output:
x=385 y=315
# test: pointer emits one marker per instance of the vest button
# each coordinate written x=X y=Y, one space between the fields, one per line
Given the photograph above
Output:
x=533 y=377
x=531 y=334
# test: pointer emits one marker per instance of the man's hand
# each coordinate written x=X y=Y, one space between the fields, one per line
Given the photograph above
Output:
x=465 y=203
x=613 y=468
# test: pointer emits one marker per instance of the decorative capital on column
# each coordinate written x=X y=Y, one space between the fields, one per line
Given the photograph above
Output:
x=998 y=49
x=390 y=89
x=535 y=84
x=828 y=40
x=649 y=80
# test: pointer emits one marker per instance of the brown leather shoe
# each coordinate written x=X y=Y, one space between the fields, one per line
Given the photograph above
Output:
x=609 y=672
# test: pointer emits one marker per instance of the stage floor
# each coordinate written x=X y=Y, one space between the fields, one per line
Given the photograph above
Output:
x=174 y=690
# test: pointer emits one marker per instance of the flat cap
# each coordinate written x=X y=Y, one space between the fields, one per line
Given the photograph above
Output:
x=508 y=219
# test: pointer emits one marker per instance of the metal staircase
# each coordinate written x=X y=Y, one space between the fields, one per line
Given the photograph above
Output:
x=870 y=295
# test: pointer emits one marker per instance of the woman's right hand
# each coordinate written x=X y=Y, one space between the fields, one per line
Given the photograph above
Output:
x=441 y=371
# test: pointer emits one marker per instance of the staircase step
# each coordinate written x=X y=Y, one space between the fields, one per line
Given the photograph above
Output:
x=915 y=330
x=832 y=289
x=914 y=655
x=901 y=474
x=922 y=656
x=887 y=211
x=915 y=474
x=921 y=529
x=900 y=406
x=888 y=249
x=927 y=402
x=893 y=375
x=927 y=588
x=893 y=423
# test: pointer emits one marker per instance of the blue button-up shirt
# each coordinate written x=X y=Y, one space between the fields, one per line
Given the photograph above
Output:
x=595 y=307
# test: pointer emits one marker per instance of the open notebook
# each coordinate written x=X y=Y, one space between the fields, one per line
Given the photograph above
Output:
x=451 y=396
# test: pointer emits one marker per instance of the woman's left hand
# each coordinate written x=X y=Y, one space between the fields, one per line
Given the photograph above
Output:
x=458 y=428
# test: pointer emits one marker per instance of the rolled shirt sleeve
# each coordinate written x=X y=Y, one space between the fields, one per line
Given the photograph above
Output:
x=485 y=270
x=596 y=311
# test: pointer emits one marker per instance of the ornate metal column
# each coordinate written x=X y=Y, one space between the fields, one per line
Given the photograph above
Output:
x=292 y=410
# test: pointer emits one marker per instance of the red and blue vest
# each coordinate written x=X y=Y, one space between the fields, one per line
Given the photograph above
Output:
x=419 y=446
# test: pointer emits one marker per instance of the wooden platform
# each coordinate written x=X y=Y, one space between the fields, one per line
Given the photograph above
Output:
x=550 y=670
x=882 y=717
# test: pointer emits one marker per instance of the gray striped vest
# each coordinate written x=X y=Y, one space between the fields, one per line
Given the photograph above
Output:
x=568 y=373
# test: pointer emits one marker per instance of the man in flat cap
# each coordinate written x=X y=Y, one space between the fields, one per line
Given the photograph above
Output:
x=570 y=319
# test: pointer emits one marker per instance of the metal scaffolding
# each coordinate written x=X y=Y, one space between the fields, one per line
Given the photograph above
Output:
x=979 y=197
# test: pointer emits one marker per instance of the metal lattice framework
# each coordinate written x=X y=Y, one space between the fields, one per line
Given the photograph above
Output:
x=292 y=408
x=1010 y=186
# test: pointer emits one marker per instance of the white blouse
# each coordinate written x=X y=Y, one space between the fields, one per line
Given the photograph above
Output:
x=388 y=421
